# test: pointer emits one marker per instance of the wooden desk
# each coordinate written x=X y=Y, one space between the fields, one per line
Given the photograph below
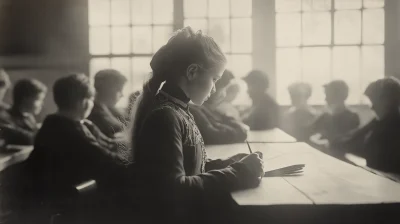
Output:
x=275 y=135
x=329 y=191
x=12 y=157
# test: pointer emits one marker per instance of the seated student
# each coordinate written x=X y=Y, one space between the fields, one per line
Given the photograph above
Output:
x=378 y=141
x=174 y=178
x=109 y=85
x=69 y=149
x=20 y=125
x=298 y=118
x=226 y=107
x=338 y=119
x=218 y=128
x=264 y=112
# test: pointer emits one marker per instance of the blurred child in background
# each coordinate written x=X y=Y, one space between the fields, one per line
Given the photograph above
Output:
x=298 y=118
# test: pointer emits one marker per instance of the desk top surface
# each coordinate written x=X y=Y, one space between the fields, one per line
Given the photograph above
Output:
x=275 y=135
x=325 y=180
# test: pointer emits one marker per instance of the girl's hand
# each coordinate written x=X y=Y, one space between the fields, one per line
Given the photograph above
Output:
x=255 y=164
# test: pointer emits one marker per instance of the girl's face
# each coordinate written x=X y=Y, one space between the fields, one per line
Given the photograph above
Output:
x=202 y=82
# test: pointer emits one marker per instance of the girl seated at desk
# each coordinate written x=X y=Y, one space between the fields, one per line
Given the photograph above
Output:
x=173 y=177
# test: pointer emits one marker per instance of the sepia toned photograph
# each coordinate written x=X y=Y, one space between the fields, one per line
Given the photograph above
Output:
x=199 y=111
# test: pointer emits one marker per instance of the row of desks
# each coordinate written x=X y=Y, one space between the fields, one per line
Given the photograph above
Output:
x=329 y=190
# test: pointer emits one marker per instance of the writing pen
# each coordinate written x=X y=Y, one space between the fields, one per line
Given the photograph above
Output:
x=248 y=145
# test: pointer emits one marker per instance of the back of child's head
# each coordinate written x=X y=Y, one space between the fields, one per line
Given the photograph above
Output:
x=108 y=80
x=257 y=79
x=171 y=62
x=336 y=91
x=27 y=89
x=300 y=91
x=4 y=79
x=386 y=89
x=70 y=90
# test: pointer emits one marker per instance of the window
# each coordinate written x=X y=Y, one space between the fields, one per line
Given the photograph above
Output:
x=229 y=22
x=124 y=34
x=321 y=40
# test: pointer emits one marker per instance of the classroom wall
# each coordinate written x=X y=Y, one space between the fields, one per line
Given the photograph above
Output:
x=43 y=39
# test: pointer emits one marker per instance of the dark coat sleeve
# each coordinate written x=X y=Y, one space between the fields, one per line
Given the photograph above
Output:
x=161 y=136
x=106 y=121
x=214 y=132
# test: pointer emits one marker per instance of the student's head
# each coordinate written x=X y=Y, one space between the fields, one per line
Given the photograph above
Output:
x=336 y=93
x=257 y=82
x=4 y=83
x=28 y=96
x=109 y=85
x=384 y=95
x=232 y=91
x=299 y=93
x=191 y=60
x=220 y=87
x=74 y=94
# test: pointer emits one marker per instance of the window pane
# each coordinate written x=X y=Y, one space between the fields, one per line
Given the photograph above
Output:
x=316 y=62
x=99 y=12
x=99 y=40
x=163 y=11
x=97 y=64
x=288 y=5
x=374 y=3
x=316 y=5
x=141 y=11
x=316 y=28
x=241 y=35
x=239 y=65
x=288 y=70
x=219 y=30
x=346 y=66
x=288 y=29
x=120 y=12
x=373 y=26
x=141 y=39
x=218 y=9
x=197 y=24
x=348 y=4
x=241 y=8
x=120 y=40
x=372 y=64
x=348 y=27
x=123 y=65
x=195 y=8
x=140 y=72
x=161 y=35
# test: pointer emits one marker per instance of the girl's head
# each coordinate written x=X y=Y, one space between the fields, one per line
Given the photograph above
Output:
x=191 y=60
x=299 y=93
x=109 y=84
x=74 y=94
x=28 y=96
x=384 y=95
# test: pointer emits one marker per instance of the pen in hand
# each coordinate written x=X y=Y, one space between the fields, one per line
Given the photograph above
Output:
x=248 y=145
